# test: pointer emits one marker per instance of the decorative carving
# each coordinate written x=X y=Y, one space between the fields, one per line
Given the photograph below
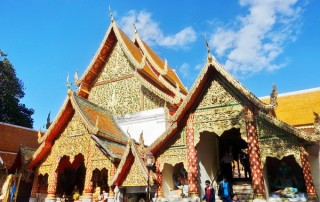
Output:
x=134 y=177
x=316 y=123
x=273 y=96
x=150 y=100
x=290 y=129
x=217 y=95
x=278 y=148
x=72 y=141
x=173 y=157
x=44 y=169
x=141 y=148
x=218 y=120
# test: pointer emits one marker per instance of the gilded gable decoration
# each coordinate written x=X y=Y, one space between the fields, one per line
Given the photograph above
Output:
x=273 y=96
x=76 y=78
x=275 y=142
x=316 y=123
x=290 y=129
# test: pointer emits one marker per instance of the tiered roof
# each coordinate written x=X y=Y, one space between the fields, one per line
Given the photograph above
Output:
x=150 y=70
x=97 y=120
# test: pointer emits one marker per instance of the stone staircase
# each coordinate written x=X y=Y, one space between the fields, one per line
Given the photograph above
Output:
x=243 y=190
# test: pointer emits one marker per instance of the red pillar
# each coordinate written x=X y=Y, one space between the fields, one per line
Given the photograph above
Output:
x=159 y=180
x=88 y=184
x=192 y=158
x=254 y=154
x=312 y=195
x=35 y=184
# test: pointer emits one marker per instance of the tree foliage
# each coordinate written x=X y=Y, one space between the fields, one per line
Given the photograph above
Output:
x=11 y=91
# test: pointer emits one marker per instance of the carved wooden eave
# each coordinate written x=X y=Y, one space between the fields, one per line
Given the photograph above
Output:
x=312 y=138
x=129 y=157
x=161 y=66
x=46 y=141
x=147 y=76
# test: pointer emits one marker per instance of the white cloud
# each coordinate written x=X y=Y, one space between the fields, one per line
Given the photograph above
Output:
x=150 y=31
x=259 y=37
x=184 y=70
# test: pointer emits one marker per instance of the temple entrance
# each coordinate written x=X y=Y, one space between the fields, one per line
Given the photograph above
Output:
x=285 y=173
x=71 y=176
x=233 y=153
x=100 y=181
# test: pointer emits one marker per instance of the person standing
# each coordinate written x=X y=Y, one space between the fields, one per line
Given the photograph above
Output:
x=225 y=191
x=208 y=192
x=246 y=163
x=227 y=160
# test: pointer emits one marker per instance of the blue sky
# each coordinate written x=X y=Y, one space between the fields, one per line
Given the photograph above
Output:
x=261 y=42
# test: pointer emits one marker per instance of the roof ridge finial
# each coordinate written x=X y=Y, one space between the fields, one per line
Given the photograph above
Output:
x=39 y=136
x=135 y=29
x=110 y=14
x=273 y=96
x=68 y=85
x=316 y=122
x=129 y=139
x=208 y=48
x=76 y=77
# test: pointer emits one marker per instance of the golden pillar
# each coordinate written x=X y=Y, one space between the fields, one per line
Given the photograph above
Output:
x=192 y=158
x=52 y=184
x=254 y=154
x=312 y=195
x=112 y=173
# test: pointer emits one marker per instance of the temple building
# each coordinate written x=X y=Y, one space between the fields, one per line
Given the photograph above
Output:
x=130 y=105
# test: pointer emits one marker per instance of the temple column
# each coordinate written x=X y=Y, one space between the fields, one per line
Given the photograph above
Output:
x=52 y=185
x=35 y=187
x=192 y=158
x=159 y=181
x=312 y=195
x=111 y=190
x=88 y=184
x=254 y=154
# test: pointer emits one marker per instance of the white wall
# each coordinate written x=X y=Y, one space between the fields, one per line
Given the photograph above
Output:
x=208 y=157
x=167 y=181
x=151 y=122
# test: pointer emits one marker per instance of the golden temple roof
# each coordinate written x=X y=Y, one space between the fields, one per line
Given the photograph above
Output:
x=170 y=88
x=90 y=115
x=296 y=108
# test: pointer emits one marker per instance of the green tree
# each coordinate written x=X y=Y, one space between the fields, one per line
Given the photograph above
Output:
x=11 y=91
